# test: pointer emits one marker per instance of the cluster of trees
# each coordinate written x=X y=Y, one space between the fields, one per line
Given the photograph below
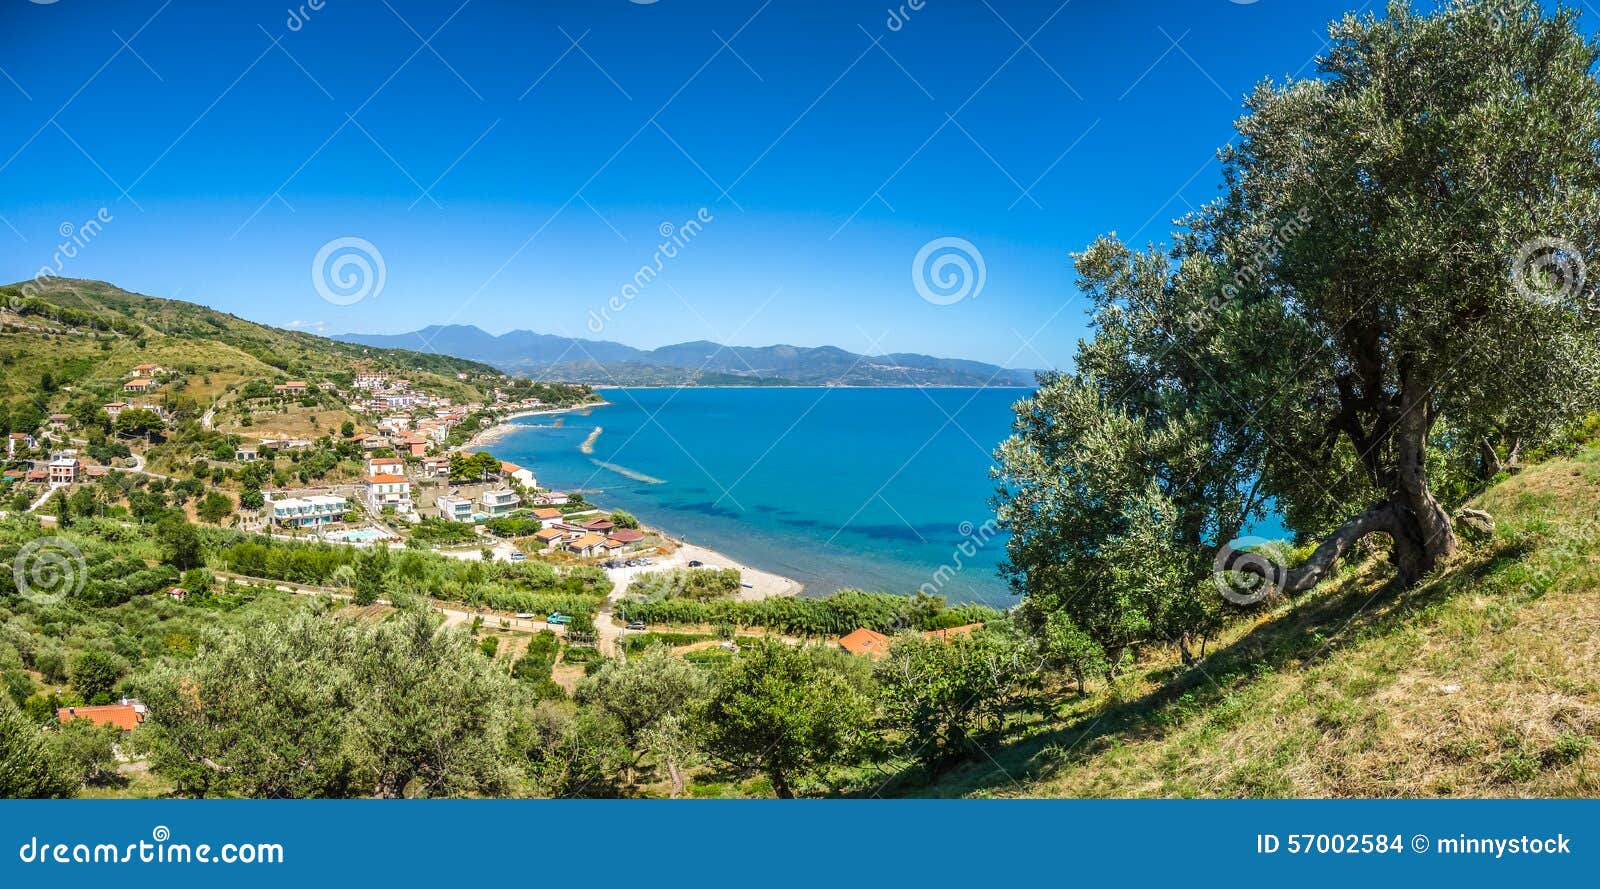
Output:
x=836 y=614
x=318 y=705
x=1384 y=307
x=510 y=586
x=689 y=583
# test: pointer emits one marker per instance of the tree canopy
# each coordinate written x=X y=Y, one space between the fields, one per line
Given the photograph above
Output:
x=1387 y=301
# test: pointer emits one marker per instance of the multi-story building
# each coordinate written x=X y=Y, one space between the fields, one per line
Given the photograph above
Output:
x=499 y=502
x=309 y=511
x=389 y=492
x=454 y=509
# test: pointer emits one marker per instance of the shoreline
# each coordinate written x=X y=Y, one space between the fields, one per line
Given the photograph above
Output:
x=504 y=426
x=762 y=584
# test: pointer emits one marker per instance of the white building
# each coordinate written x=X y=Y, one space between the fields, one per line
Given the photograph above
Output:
x=309 y=511
x=497 y=503
x=386 y=466
x=389 y=492
x=517 y=473
x=455 y=509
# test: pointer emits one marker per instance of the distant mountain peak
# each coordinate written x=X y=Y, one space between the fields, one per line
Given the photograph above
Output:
x=699 y=362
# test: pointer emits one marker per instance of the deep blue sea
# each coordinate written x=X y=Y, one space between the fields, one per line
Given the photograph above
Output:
x=872 y=489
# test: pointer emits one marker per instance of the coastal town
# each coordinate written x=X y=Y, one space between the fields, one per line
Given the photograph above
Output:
x=424 y=477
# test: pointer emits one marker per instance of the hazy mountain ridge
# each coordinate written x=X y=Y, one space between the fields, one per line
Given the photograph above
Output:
x=699 y=362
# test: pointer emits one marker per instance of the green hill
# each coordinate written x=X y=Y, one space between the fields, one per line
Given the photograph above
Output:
x=1482 y=681
x=89 y=333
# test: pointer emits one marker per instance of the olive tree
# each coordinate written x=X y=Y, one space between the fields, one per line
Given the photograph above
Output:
x=1395 y=276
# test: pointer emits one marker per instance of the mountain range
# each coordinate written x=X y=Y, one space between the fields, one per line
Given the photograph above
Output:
x=602 y=362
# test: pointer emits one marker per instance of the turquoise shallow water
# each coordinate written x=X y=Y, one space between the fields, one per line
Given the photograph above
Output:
x=875 y=489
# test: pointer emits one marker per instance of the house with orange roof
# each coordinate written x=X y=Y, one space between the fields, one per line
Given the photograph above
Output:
x=547 y=515
x=864 y=641
x=386 y=466
x=138 y=385
x=949 y=633
x=516 y=473
x=587 y=545
x=389 y=492
x=126 y=715
x=549 y=537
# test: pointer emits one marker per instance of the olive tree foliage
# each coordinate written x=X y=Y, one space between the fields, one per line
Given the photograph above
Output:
x=29 y=767
x=643 y=691
x=1393 y=286
x=944 y=695
x=321 y=706
x=788 y=712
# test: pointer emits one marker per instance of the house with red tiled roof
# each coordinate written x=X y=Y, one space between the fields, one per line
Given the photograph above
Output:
x=389 y=492
x=517 y=473
x=587 y=545
x=864 y=641
x=949 y=633
x=126 y=715
x=138 y=385
x=627 y=535
x=386 y=466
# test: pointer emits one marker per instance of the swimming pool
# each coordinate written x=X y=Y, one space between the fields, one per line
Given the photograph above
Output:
x=357 y=534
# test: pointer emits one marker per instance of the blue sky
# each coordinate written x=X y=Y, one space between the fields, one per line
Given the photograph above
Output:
x=513 y=163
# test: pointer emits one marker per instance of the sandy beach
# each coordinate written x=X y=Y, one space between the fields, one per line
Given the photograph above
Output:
x=505 y=426
x=759 y=584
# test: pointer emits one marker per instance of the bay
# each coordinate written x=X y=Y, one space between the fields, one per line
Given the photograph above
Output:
x=878 y=489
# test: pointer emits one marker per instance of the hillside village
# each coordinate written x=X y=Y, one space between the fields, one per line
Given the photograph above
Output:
x=401 y=468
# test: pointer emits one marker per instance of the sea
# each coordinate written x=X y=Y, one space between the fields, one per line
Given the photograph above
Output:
x=886 y=490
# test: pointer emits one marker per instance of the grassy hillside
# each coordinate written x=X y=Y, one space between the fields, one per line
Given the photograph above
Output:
x=1483 y=681
x=89 y=333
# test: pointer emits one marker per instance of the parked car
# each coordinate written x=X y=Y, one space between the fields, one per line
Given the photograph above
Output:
x=695 y=563
x=635 y=624
x=519 y=556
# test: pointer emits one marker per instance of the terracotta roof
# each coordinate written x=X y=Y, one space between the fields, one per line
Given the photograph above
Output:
x=509 y=467
x=586 y=541
x=382 y=479
x=387 y=461
x=627 y=535
x=949 y=633
x=548 y=534
x=548 y=512
x=123 y=716
x=865 y=641
x=599 y=525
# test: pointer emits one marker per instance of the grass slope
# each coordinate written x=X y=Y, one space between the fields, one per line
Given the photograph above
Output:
x=1483 y=681
x=224 y=348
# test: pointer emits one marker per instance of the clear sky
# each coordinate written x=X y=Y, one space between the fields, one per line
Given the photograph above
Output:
x=513 y=163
